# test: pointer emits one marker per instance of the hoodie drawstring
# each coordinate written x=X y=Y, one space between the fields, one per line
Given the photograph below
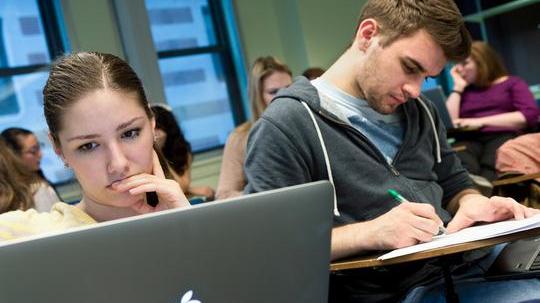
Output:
x=326 y=159
x=325 y=152
x=435 y=133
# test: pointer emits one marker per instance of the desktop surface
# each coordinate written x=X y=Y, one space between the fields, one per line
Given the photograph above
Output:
x=268 y=247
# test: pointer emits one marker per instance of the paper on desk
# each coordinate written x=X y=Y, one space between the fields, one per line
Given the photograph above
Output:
x=467 y=235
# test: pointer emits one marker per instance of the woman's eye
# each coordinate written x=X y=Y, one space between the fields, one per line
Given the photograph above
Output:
x=132 y=133
x=87 y=147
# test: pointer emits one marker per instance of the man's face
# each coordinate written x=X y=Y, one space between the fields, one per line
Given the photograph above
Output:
x=392 y=75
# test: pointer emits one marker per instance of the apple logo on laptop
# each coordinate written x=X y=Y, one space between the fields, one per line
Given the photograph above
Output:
x=186 y=298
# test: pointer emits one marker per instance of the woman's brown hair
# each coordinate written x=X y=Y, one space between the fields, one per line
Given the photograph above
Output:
x=489 y=65
x=73 y=76
x=76 y=75
x=17 y=183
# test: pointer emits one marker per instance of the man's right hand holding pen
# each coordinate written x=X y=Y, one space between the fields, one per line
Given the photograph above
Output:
x=410 y=223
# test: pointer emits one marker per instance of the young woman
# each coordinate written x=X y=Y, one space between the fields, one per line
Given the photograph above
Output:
x=485 y=96
x=102 y=127
x=267 y=76
x=27 y=147
x=176 y=149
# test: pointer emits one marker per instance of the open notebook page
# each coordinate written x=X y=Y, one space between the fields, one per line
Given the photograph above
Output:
x=467 y=235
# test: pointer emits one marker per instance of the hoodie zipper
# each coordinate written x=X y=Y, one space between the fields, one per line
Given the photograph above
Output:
x=373 y=147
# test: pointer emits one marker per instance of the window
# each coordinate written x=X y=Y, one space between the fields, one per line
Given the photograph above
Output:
x=196 y=68
x=29 y=39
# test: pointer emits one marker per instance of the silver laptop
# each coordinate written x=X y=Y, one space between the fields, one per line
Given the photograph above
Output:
x=267 y=247
x=519 y=259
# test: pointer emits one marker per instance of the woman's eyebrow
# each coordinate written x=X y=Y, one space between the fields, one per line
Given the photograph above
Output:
x=93 y=136
x=128 y=123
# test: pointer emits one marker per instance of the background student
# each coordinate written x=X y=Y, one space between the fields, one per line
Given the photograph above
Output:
x=18 y=185
x=27 y=147
x=362 y=126
x=485 y=96
x=266 y=78
x=177 y=150
x=110 y=151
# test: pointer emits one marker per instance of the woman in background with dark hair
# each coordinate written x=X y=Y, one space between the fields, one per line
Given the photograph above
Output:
x=26 y=147
x=177 y=150
x=17 y=183
x=485 y=96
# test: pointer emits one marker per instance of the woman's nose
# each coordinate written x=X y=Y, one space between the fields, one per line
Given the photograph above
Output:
x=118 y=163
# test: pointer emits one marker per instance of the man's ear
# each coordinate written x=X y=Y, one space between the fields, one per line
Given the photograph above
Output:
x=57 y=149
x=367 y=30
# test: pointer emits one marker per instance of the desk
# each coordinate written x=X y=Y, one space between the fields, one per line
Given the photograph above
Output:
x=371 y=260
x=451 y=296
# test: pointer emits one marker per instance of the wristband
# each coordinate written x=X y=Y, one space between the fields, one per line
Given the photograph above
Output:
x=457 y=92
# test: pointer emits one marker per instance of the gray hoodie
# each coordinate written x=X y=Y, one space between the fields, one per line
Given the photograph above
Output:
x=284 y=149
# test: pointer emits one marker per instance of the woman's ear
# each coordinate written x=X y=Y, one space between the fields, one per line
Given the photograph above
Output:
x=153 y=125
x=367 y=31
x=56 y=147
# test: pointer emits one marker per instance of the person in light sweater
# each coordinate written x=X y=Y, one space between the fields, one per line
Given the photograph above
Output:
x=101 y=126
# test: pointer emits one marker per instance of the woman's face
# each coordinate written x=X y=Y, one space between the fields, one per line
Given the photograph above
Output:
x=272 y=83
x=30 y=151
x=467 y=69
x=106 y=136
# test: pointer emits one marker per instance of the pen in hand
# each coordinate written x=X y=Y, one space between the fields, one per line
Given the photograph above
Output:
x=401 y=199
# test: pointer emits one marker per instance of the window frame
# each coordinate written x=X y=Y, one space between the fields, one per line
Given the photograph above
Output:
x=53 y=38
x=223 y=50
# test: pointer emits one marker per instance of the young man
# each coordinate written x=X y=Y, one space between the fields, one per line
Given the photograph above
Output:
x=363 y=126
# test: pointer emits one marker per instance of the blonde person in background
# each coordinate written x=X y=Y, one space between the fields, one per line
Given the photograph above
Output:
x=27 y=148
x=266 y=78
x=100 y=125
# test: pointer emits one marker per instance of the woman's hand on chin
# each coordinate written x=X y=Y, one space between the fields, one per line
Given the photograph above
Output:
x=169 y=193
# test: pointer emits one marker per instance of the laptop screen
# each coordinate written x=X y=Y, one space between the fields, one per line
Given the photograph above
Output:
x=268 y=247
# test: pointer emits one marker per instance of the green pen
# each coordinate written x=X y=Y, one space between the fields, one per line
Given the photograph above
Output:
x=401 y=199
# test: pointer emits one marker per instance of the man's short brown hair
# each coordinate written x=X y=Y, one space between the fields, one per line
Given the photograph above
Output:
x=439 y=18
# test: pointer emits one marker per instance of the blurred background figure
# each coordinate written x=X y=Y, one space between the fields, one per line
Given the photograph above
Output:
x=267 y=76
x=26 y=146
x=487 y=98
x=313 y=73
x=177 y=150
x=20 y=188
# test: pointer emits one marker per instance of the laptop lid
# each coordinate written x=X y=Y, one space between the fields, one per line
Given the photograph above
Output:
x=518 y=259
x=267 y=247
x=437 y=97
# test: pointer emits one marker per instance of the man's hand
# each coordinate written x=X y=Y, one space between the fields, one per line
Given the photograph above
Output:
x=405 y=225
x=477 y=208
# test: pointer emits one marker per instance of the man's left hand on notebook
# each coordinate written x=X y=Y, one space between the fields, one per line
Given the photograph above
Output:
x=477 y=208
